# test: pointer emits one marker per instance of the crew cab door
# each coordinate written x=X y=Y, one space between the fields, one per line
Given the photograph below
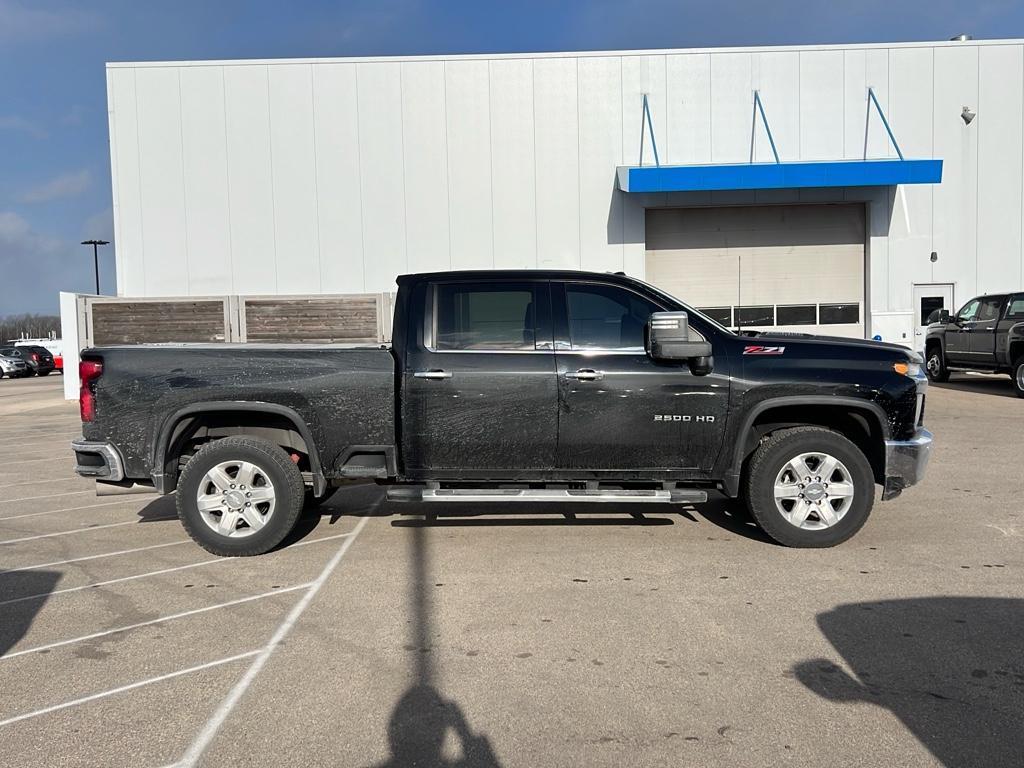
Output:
x=479 y=395
x=958 y=333
x=983 y=334
x=620 y=412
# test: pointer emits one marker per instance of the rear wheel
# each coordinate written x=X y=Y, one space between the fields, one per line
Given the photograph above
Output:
x=1018 y=376
x=44 y=373
x=935 y=365
x=809 y=487
x=239 y=496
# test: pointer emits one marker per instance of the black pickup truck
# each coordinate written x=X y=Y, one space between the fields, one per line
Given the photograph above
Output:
x=986 y=335
x=532 y=386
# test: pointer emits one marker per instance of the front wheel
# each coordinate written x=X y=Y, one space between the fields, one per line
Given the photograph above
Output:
x=1018 y=376
x=935 y=366
x=239 y=496
x=809 y=487
x=44 y=373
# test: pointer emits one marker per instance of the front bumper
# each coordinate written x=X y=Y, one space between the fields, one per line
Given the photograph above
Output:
x=97 y=459
x=906 y=462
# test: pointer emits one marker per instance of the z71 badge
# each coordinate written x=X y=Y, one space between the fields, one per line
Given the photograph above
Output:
x=764 y=350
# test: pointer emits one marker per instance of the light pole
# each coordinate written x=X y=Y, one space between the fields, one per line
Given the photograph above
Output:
x=96 y=258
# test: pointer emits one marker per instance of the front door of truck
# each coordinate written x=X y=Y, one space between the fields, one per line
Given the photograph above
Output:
x=983 y=336
x=958 y=334
x=479 y=396
x=619 y=410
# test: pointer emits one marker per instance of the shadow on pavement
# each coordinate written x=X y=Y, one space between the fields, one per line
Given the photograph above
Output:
x=15 y=619
x=1000 y=386
x=423 y=718
x=950 y=668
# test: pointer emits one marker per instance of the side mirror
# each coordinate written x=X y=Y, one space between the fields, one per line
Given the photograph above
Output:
x=944 y=316
x=668 y=338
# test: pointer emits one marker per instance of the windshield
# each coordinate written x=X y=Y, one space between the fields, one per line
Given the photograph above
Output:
x=689 y=310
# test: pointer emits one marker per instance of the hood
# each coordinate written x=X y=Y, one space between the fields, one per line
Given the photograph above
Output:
x=801 y=339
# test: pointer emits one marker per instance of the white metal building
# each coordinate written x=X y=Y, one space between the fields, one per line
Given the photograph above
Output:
x=316 y=176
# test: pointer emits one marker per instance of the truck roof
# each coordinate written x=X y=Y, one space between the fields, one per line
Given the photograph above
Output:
x=510 y=274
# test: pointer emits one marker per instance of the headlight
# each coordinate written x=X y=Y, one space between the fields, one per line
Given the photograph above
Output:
x=911 y=369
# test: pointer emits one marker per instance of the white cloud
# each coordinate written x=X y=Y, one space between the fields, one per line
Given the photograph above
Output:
x=18 y=238
x=22 y=125
x=20 y=22
x=99 y=226
x=66 y=185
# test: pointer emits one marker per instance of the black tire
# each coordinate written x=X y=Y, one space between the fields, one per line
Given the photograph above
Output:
x=1018 y=376
x=44 y=373
x=768 y=461
x=935 y=365
x=273 y=462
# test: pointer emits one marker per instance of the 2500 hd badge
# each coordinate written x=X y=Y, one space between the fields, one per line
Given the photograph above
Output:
x=532 y=386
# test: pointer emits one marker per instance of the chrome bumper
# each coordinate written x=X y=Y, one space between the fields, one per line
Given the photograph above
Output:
x=99 y=460
x=906 y=462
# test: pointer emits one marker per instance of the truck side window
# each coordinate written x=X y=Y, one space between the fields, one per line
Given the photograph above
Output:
x=480 y=316
x=606 y=317
x=968 y=311
x=989 y=309
x=1016 y=308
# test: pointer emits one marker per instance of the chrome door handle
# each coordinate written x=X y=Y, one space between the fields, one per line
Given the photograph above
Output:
x=432 y=375
x=585 y=374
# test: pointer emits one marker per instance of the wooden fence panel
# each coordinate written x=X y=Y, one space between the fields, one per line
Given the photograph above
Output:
x=322 y=320
x=148 y=322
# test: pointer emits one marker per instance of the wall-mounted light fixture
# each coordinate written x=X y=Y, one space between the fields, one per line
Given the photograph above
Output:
x=967 y=115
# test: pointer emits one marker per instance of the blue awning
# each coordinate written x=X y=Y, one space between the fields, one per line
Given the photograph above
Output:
x=833 y=173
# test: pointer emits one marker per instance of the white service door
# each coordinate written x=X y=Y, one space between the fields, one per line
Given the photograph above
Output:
x=779 y=267
x=927 y=299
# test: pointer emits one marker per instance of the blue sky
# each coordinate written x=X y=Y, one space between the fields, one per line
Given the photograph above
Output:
x=54 y=159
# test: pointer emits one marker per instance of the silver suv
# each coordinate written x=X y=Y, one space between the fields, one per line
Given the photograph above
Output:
x=14 y=367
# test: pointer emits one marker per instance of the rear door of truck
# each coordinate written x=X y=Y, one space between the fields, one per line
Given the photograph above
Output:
x=480 y=395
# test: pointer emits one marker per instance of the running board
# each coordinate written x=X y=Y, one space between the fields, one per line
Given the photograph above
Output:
x=676 y=496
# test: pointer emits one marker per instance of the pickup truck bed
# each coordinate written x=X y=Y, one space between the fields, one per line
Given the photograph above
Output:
x=343 y=395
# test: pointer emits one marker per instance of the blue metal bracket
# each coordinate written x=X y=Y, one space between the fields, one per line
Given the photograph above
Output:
x=647 y=124
x=759 y=107
x=872 y=99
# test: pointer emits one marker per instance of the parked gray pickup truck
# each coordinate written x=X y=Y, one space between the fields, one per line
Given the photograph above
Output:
x=986 y=335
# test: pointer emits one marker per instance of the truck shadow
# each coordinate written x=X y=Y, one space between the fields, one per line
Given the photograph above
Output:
x=998 y=386
x=950 y=668
x=16 y=618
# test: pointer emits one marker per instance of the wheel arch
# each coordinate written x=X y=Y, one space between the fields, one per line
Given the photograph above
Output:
x=181 y=425
x=862 y=422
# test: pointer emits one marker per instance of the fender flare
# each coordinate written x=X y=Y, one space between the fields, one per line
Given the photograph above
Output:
x=164 y=481
x=731 y=477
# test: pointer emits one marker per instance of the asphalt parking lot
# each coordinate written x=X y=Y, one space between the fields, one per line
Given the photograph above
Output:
x=682 y=637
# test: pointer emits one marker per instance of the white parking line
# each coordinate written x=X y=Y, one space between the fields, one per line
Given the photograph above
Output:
x=161 y=620
x=108 y=582
x=94 y=557
x=85 y=530
x=129 y=687
x=216 y=721
x=47 y=496
x=68 y=509
x=42 y=480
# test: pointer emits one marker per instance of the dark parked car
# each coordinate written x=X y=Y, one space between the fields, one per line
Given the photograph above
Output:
x=38 y=359
x=512 y=386
x=986 y=335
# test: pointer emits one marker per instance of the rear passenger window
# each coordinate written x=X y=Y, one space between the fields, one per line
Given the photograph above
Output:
x=606 y=317
x=474 y=316
x=1016 y=309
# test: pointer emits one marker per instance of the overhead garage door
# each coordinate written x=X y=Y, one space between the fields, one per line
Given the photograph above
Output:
x=781 y=267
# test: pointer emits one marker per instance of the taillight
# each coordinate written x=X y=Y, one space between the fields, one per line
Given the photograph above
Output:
x=88 y=372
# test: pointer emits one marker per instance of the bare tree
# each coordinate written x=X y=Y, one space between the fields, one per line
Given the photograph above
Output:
x=28 y=326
